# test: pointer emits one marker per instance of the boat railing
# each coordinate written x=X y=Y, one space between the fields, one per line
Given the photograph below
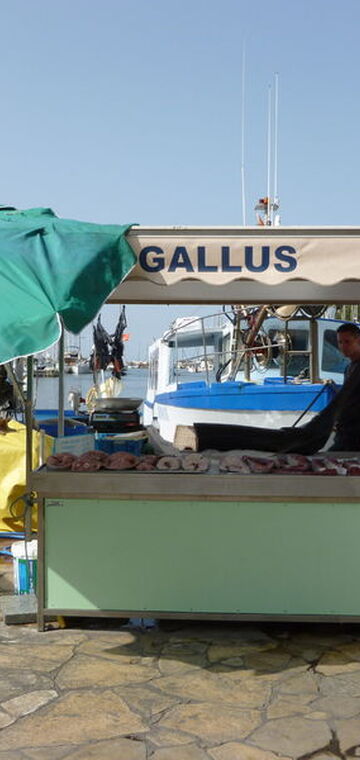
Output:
x=183 y=325
x=245 y=345
x=207 y=361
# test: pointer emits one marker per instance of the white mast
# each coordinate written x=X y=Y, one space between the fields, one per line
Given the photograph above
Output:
x=243 y=138
x=269 y=205
x=268 y=218
x=276 y=218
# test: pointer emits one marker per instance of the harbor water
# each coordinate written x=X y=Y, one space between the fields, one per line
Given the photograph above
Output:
x=47 y=388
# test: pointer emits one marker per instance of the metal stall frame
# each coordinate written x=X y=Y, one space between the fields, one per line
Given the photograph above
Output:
x=212 y=266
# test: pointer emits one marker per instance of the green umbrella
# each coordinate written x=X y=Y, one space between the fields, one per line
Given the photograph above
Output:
x=54 y=269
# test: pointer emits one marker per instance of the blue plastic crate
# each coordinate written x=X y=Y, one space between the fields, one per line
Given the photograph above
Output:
x=70 y=428
x=111 y=444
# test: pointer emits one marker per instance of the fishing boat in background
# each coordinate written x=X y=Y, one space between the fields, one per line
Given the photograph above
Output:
x=83 y=366
x=267 y=366
x=71 y=360
x=46 y=366
x=264 y=367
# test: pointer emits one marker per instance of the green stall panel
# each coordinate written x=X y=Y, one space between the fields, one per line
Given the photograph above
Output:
x=202 y=556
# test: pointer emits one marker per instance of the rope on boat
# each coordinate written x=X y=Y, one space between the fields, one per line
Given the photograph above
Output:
x=330 y=382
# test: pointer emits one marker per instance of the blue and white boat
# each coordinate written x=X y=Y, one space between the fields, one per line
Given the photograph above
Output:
x=291 y=370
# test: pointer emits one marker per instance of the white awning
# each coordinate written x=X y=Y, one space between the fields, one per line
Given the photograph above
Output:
x=243 y=265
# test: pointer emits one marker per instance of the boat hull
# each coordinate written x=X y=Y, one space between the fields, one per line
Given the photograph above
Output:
x=271 y=405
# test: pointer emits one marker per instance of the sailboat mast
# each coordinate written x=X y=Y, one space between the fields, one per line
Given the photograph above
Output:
x=268 y=196
x=243 y=138
x=276 y=133
x=269 y=205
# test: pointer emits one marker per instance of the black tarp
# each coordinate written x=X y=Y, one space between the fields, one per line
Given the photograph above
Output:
x=101 y=354
x=117 y=350
x=109 y=349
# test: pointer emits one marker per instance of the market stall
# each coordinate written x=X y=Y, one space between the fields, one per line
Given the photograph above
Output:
x=210 y=543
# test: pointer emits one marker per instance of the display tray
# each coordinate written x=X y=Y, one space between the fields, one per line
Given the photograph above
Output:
x=343 y=465
x=156 y=471
x=171 y=472
x=209 y=471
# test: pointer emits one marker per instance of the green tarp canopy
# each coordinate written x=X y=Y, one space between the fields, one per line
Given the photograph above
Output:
x=54 y=269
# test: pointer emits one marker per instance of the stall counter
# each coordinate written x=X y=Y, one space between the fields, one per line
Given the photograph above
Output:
x=198 y=546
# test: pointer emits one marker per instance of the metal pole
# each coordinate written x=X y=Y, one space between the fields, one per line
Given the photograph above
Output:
x=175 y=367
x=205 y=353
x=314 y=357
x=29 y=438
x=275 y=198
x=61 y=426
x=29 y=416
x=248 y=344
x=247 y=366
x=243 y=139
x=286 y=331
x=268 y=208
x=256 y=326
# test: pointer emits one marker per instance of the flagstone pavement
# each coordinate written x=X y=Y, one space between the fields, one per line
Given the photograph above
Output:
x=179 y=691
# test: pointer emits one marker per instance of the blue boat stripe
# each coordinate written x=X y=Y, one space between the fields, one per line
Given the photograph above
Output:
x=233 y=396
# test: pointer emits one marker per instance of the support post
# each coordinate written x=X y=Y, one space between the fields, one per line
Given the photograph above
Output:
x=29 y=439
x=314 y=353
x=61 y=425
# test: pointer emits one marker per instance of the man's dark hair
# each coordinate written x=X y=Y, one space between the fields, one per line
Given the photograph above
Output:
x=349 y=327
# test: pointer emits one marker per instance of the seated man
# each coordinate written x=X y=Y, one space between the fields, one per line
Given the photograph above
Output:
x=347 y=437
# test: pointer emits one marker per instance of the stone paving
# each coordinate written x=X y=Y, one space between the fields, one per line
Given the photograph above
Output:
x=179 y=691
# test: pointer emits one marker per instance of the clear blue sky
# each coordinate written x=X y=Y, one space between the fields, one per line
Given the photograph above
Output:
x=130 y=111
